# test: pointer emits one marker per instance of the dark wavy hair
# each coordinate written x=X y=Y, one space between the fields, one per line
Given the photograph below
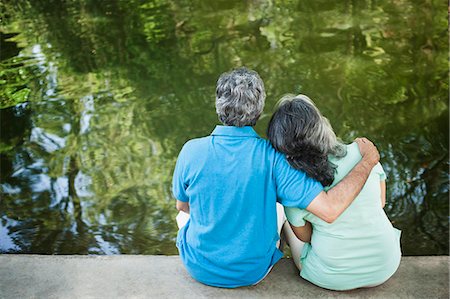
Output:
x=298 y=130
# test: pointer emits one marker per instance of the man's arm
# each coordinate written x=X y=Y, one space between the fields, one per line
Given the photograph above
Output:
x=183 y=206
x=328 y=206
x=179 y=184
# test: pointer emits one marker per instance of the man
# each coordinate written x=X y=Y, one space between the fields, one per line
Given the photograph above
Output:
x=230 y=182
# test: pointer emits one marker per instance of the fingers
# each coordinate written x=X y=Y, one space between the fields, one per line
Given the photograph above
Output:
x=362 y=140
x=364 y=143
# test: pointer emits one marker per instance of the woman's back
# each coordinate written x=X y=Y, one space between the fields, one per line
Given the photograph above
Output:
x=361 y=247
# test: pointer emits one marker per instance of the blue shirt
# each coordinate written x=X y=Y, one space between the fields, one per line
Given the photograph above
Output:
x=232 y=180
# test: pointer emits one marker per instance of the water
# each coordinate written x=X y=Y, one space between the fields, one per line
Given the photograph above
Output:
x=98 y=97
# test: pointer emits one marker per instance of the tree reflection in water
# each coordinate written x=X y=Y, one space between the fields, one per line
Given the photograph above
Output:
x=97 y=99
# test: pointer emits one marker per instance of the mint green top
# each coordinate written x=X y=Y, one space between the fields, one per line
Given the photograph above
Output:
x=361 y=247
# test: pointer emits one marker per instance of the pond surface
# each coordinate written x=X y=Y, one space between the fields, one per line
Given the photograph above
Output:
x=98 y=97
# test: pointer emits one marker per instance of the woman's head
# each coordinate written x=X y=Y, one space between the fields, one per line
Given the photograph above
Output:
x=240 y=97
x=305 y=136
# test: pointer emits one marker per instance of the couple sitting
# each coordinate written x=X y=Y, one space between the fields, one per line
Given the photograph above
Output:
x=227 y=186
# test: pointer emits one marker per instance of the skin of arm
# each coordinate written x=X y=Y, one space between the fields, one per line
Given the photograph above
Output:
x=383 y=193
x=329 y=205
x=183 y=206
x=303 y=233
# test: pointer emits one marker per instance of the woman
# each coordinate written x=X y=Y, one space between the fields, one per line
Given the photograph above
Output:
x=359 y=249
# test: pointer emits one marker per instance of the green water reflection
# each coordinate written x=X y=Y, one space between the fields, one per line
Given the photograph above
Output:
x=98 y=97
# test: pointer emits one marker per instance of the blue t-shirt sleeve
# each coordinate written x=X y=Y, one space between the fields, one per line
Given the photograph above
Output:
x=294 y=187
x=179 y=184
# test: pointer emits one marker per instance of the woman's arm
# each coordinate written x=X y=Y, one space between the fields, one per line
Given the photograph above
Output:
x=383 y=193
x=303 y=233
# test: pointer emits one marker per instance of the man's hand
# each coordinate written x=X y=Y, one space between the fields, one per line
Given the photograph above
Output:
x=368 y=151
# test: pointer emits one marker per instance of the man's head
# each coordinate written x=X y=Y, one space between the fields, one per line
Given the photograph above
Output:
x=240 y=97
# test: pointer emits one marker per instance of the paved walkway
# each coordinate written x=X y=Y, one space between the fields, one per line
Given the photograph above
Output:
x=132 y=276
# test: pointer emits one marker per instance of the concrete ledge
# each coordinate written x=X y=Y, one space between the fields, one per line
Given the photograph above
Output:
x=131 y=276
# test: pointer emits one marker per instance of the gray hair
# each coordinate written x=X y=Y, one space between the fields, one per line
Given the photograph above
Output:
x=306 y=137
x=240 y=97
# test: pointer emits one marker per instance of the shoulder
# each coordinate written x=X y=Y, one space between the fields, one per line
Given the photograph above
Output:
x=196 y=142
x=353 y=150
x=193 y=147
x=271 y=153
x=268 y=146
x=352 y=156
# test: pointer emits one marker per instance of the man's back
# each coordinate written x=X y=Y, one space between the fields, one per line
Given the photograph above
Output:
x=231 y=180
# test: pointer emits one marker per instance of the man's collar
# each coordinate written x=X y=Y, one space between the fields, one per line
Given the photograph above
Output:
x=235 y=131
